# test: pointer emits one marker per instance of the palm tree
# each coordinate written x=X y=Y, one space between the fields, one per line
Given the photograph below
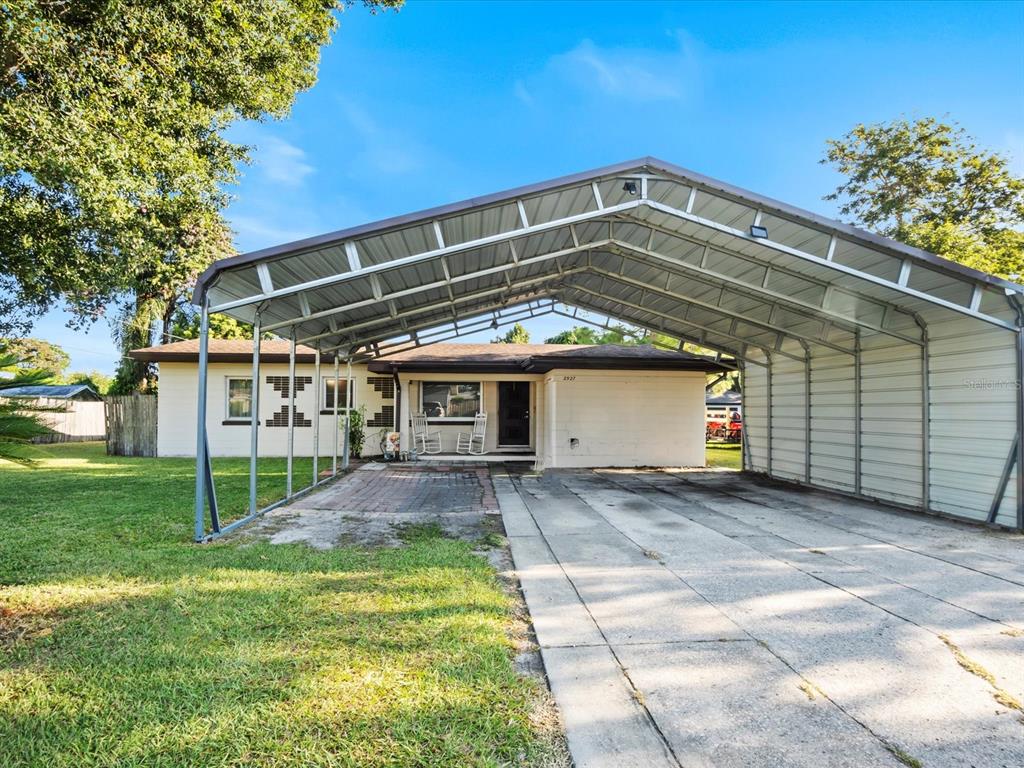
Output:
x=20 y=421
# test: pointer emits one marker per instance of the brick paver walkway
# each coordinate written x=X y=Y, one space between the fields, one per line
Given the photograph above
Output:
x=375 y=502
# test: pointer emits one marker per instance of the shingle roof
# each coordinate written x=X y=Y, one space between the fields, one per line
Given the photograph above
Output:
x=225 y=351
x=539 y=358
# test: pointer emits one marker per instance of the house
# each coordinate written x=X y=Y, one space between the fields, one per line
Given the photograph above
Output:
x=76 y=410
x=557 y=405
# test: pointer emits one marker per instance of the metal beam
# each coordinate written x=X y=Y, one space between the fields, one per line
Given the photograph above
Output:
x=291 y=413
x=201 y=396
x=254 y=403
x=827 y=263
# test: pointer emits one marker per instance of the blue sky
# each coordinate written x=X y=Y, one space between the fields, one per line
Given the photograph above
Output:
x=444 y=101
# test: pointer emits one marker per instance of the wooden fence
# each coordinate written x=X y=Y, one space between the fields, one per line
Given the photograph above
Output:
x=131 y=425
x=71 y=421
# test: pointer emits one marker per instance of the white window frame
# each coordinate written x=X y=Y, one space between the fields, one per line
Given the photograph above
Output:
x=450 y=419
x=324 y=407
x=227 y=400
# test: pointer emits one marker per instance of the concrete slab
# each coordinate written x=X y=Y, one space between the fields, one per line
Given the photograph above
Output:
x=901 y=640
x=605 y=723
x=699 y=693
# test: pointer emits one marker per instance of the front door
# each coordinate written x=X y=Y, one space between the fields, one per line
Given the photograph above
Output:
x=513 y=413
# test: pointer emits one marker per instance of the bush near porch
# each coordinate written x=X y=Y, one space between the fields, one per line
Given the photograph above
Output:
x=122 y=643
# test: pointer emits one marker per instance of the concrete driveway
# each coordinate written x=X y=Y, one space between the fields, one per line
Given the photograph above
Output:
x=703 y=619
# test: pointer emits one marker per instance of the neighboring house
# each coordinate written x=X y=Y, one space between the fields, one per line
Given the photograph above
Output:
x=563 y=405
x=77 y=413
x=721 y=407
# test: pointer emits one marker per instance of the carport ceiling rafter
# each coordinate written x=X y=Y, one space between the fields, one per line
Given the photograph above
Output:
x=812 y=280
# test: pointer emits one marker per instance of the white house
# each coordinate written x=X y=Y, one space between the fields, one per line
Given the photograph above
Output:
x=559 y=405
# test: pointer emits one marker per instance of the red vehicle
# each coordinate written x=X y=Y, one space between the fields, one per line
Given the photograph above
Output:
x=724 y=418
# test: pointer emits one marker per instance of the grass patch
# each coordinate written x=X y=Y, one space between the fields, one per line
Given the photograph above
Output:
x=122 y=643
x=1001 y=695
x=722 y=455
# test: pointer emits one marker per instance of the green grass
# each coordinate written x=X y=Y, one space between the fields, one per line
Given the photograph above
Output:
x=124 y=644
x=722 y=455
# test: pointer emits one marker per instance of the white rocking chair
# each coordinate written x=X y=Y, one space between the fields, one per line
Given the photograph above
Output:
x=473 y=442
x=423 y=440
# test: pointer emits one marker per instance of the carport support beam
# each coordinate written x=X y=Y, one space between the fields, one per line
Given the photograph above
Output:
x=807 y=413
x=856 y=414
x=255 y=413
x=926 y=418
x=768 y=421
x=334 y=418
x=1018 y=306
x=348 y=414
x=316 y=416
x=201 y=447
x=291 y=413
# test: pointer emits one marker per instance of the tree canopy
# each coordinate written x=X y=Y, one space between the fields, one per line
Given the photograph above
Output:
x=927 y=184
x=113 y=158
x=35 y=355
x=517 y=334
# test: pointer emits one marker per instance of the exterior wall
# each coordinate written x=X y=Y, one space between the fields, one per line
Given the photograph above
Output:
x=833 y=415
x=788 y=417
x=755 y=414
x=176 y=410
x=973 y=374
x=624 y=418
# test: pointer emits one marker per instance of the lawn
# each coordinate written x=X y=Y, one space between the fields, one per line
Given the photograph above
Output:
x=124 y=644
x=724 y=455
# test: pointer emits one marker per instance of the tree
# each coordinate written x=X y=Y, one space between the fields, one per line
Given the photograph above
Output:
x=517 y=334
x=185 y=325
x=99 y=382
x=20 y=420
x=113 y=156
x=615 y=334
x=926 y=184
x=36 y=355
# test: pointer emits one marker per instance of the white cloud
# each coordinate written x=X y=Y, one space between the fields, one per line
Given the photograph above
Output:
x=281 y=162
x=630 y=74
x=381 y=148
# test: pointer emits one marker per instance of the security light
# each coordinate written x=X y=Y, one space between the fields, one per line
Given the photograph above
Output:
x=494 y=323
x=758 y=231
x=630 y=187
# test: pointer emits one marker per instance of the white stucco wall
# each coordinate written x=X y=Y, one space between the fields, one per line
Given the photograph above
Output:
x=176 y=411
x=619 y=418
x=624 y=419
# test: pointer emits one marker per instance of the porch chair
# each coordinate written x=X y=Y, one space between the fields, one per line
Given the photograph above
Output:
x=423 y=440
x=473 y=442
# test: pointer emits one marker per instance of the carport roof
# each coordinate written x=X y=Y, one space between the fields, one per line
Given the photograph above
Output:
x=644 y=241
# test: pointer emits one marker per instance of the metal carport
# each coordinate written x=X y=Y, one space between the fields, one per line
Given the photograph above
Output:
x=870 y=368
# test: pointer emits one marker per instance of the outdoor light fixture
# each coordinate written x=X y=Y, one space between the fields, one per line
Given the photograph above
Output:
x=494 y=323
x=630 y=187
x=758 y=231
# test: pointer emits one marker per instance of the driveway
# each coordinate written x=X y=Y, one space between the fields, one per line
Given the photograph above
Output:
x=705 y=619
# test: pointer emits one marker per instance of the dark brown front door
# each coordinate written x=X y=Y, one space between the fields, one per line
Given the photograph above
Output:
x=513 y=413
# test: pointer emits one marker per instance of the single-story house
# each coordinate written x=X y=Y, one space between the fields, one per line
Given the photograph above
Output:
x=560 y=405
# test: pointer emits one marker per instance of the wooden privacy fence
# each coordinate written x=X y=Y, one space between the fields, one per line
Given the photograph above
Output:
x=71 y=421
x=131 y=425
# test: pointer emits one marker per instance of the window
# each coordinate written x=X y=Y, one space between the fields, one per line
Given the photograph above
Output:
x=328 y=394
x=450 y=400
x=239 y=399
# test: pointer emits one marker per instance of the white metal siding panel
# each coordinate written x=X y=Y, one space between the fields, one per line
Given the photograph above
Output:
x=755 y=416
x=973 y=416
x=789 y=414
x=625 y=419
x=891 y=434
x=833 y=429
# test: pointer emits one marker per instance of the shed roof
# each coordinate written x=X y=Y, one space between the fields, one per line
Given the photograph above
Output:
x=54 y=391
x=540 y=358
x=644 y=241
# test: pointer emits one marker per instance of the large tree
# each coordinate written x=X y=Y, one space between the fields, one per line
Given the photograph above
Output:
x=926 y=183
x=113 y=158
x=36 y=355
x=517 y=334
